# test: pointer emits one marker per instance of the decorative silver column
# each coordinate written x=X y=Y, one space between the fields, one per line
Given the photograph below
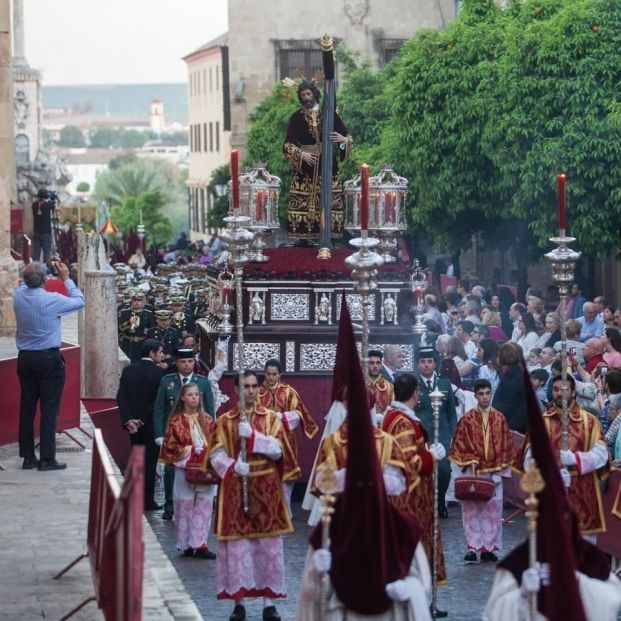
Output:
x=562 y=262
x=238 y=240
x=418 y=285
x=364 y=265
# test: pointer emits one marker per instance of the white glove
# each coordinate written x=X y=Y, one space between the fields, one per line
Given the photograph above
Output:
x=438 y=451
x=340 y=480
x=279 y=415
x=531 y=582
x=568 y=458
x=244 y=430
x=223 y=344
x=566 y=477
x=398 y=591
x=378 y=419
x=496 y=478
x=159 y=441
x=322 y=560
x=242 y=468
x=197 y=450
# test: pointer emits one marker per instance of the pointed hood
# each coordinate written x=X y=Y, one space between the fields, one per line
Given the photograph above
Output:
x=372 y=543
x=556 y=534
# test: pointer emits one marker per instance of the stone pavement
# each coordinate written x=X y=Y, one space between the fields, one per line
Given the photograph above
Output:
x=464 y=596
x=43 y=519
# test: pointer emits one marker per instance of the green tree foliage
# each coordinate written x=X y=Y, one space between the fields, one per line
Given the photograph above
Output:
x=174 y=138
x=131 y=177
x=152 y=205
x=220 y=205
x=117 y=138
x=71 y=136
x=486 y=113
x=83 y=186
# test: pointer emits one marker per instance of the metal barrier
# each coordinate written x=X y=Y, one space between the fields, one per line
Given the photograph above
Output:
x=69 y=415
x=114 y=536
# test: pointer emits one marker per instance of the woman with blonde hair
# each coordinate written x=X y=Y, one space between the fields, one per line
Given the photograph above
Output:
x=491 y=319
x=186 y=445
x=552 y=332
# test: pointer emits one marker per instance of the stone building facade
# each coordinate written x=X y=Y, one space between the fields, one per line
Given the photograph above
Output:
x=209 y=120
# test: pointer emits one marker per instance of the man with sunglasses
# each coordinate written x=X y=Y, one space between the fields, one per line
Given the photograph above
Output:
x=250 y=555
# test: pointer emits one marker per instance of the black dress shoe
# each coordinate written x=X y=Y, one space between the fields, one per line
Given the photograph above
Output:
x=151 y=506
x=30 y=463
x=188 y=552
x=270 y=614
x=489 y=556
x=443 y=512
x=51 y=464
x=471 y=556
x=204 y=553
x=437 y=613
x=167 y=515
x=239 y=613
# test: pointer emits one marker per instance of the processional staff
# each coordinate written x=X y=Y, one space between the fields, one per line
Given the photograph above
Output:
x=364 y=263
x=326 y=483
x=238 y=240
x=562 y=262
x=327 y=127
x=436 y=397
x=532 y=483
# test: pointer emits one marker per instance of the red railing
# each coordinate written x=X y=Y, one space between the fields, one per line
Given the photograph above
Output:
x=114 y=536
x=69 y=415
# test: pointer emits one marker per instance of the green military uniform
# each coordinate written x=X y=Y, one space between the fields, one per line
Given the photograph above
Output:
x=448 y=422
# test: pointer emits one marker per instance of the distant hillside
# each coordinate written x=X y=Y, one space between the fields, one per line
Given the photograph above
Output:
x=121 y=100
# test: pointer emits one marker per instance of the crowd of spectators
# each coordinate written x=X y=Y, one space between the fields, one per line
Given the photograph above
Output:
x=487 y=334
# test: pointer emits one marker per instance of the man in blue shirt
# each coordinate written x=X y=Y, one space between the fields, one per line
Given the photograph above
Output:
x=592 y=324
x=40 y=367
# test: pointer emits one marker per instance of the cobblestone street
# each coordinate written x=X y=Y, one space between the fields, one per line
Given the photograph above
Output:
x=464 y=596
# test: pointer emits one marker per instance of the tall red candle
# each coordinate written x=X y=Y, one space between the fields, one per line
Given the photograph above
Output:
x=560 y=179
x=235 y=178
x=364 y=197
x=260 y=200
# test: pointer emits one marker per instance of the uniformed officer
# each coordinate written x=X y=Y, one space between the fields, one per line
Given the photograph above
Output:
x=181 y=316
x=167 y=395
x=133 y=325
x=166 y=333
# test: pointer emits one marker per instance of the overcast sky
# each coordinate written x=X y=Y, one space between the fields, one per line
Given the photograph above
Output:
x=118 y=41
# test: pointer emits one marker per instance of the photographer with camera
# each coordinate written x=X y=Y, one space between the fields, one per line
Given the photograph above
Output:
x=42 y=210
x=40 y=365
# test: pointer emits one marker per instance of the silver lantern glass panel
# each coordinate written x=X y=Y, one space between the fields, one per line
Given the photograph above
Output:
x=258 y=200
x=387 y=208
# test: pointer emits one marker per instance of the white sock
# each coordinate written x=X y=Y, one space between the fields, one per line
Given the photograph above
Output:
x=267 y=602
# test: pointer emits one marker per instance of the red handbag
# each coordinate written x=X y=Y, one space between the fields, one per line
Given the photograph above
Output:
x=195 y=471
x=472 y=487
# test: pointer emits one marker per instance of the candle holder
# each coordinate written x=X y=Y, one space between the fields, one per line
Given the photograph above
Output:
x=418 y=285
x=258 y=199
x=562 y=263
x=364 y=265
